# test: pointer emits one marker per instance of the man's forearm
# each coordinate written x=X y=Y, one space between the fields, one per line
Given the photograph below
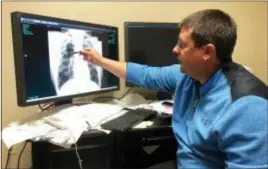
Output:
x=117 y=68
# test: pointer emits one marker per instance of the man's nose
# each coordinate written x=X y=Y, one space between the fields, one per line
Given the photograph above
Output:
x=176 y=50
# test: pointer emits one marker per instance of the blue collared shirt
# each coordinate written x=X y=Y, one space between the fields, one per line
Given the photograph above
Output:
x=215 y=124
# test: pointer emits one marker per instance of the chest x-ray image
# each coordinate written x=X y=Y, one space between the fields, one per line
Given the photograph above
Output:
x=70 y=73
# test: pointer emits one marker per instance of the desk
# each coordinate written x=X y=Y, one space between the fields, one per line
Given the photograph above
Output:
x=115 y=150
x=95 y=149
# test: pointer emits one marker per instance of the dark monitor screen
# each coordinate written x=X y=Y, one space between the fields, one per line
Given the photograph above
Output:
x=47 y=67
x=151 y=43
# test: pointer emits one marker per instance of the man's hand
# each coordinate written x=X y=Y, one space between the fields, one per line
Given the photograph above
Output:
x=92 y=55
x=113 y=66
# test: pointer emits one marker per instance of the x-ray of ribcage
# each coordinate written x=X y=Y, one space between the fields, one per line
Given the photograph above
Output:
x=70 y=73
x=66 y=64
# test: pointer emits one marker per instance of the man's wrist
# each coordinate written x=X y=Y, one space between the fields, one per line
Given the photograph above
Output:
x=101 y=61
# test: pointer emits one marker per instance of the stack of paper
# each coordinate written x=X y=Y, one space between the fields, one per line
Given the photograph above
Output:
x=77 y=119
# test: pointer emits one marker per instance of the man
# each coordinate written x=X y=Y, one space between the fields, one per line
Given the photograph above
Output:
x=220 y=112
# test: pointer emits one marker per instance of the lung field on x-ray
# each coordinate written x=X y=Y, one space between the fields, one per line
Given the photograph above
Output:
x=66 y=64
x=87 y=44
x=94 y=74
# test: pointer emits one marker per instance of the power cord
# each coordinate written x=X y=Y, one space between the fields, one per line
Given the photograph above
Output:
x=76 y=150
x=8 y=156
x=18 y=166
x=77 y=154
x=126 y=93
x=9 y=152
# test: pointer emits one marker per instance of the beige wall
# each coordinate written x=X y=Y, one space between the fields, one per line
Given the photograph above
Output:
x=251 y=49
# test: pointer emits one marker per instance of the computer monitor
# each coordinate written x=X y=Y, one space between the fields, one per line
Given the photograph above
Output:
x=46 y=66
x=150 y=43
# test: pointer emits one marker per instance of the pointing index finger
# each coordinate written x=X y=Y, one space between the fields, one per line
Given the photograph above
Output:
x=84 y=51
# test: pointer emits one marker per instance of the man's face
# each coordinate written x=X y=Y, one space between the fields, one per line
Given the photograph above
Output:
x=189 y=56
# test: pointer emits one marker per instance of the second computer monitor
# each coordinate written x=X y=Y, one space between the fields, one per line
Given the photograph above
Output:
x=151 y=43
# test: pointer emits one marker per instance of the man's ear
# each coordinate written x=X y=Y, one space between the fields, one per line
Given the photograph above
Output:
x=209 y=51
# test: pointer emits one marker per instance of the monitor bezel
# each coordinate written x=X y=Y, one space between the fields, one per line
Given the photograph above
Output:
x=19 y=61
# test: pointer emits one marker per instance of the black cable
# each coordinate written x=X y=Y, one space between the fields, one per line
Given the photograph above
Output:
x=45 y=107
x=104 y=97
x=126 y=93
x=18 y=166
x=8 y=156
x=40 y=107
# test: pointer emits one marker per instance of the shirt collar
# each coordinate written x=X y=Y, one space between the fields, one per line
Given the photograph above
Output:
x=210 y=83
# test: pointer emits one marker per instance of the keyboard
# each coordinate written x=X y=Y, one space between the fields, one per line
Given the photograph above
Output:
x=129 y=119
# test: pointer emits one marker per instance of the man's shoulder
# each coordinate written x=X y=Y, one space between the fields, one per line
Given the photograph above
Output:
x=243 y=83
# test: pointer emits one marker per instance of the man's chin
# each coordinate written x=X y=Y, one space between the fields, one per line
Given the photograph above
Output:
x=182 y=71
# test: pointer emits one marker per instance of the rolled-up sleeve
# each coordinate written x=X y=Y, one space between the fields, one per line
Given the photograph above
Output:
x=158 y=78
